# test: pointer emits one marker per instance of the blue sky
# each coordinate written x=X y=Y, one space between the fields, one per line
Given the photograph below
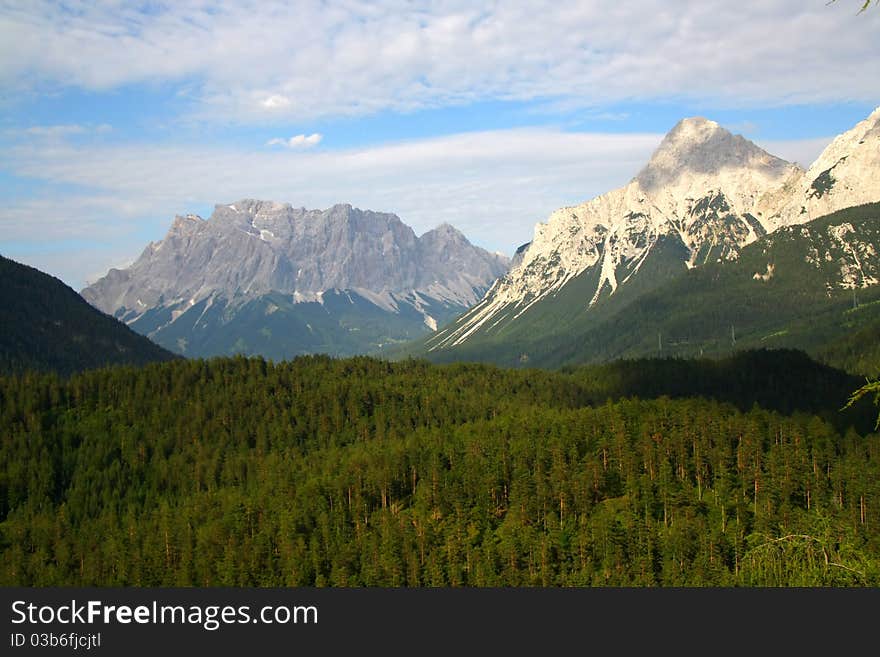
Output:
x=114 y=116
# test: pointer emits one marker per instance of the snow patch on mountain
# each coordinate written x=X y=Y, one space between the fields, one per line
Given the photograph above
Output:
x=767 y=275
x=855 y=270
x=250 y=248
x=713 y=191
x=847 y=173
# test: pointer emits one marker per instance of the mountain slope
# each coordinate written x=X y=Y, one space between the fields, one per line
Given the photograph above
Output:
x=48 y=326
x=700 y=192
x=266 y=278
x=844 y=175
x=810 y=287
x=704 y=196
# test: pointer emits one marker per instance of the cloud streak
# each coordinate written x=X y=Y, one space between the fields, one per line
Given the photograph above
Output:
x=282 y=61
x=298 y=141
x=492 y=185
x=61 y=131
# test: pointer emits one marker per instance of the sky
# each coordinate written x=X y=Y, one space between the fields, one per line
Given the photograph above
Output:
x=115 y=116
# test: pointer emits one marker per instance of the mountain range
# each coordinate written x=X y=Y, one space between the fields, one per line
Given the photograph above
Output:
x=261 y=277
x=707 y=202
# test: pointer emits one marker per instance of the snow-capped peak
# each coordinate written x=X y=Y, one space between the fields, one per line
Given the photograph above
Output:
x=844 y=175
x=843 y=145
x=698 y=153
x=705 y=189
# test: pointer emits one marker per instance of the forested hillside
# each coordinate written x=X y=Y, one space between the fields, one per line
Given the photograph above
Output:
x=361 y=472
x=810 y=287
x=48 y=326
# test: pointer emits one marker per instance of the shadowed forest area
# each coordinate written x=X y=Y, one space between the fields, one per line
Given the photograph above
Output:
x=361 y=472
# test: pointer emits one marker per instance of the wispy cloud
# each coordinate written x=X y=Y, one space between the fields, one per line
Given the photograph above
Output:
x=745 y=127
x=299 y=60
x=275 y=102
x=98 y=216
x=298 y=141
x=54 y=131
x=62 y=131
x=492 y=185
x=802 y=151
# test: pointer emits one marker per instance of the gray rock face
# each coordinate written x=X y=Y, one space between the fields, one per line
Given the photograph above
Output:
x=518 y=256
x=707 y=190
x=697 y=146
x=252 y=248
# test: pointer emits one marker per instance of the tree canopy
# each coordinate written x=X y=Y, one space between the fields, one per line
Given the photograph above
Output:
x=360 y=472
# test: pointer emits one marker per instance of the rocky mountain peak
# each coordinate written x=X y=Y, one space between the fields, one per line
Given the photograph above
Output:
x=694 y=128
x=185 y=224
x=703 y=196
x=700 y=147
x=445 y=232
x=864 y=136
x=186 y=219
x=844 y=175
x=251 y=248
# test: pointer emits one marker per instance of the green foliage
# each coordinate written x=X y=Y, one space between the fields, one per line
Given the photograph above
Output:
x=361 y=472
x=823 y=184
x=870 y=388
x=273 y=326
x=865 y=4
x=858 y=351
x=48 y=326
x=712 y=310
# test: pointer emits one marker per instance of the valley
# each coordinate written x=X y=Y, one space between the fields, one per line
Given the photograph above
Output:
x=663 y=388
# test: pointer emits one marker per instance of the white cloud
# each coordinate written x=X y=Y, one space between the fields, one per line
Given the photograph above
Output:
x=275 y=102
x=494 y=185
x=299 y=60
x=58 y=132
x=54 y=131
x=77 y=267
x=802 y=151
x=98 y=218
x=298 y=141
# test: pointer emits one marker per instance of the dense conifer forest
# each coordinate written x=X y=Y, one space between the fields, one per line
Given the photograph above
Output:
x=362 y=472
x=45 y=325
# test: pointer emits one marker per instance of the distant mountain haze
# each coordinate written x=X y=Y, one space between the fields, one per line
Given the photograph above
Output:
x=265 y=277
